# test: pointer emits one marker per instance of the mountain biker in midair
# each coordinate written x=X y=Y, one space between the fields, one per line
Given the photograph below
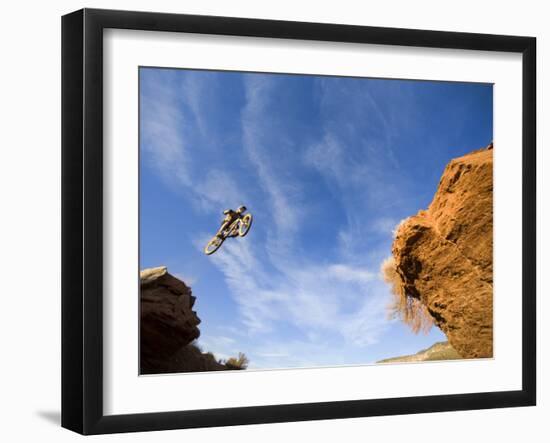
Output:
x=230 y=217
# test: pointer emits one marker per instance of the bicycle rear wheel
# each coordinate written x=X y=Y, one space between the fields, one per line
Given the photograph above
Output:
x=213 y=245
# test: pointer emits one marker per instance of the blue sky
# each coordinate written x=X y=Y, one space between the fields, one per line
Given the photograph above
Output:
x=328 y=166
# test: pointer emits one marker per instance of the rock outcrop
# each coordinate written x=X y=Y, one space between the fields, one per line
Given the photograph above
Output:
x=167 y=319
x=438 y=351
x=168 y=326
x=444 y=255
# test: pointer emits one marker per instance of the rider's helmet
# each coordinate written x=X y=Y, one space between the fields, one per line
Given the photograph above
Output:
x=241 y=209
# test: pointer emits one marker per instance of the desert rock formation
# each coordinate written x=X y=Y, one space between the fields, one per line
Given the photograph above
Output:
x=168 y=326
x=444 y=255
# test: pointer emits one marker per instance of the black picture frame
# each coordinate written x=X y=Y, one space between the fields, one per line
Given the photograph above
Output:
x=82 y=218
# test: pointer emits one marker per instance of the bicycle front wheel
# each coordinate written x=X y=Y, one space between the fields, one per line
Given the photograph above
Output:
x=245 y=224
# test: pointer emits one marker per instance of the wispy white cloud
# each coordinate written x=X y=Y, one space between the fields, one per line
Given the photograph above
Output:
x=333 y=298
x=218 y=189
x=328 y=156
x=195 y=90
x=348 y=273
x=174 y=130
x=354 y=156
x=366 y=326
x=355 y=153
x=263 y=147
x=162 y=134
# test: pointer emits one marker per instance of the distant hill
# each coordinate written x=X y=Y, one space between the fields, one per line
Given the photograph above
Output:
x=439 y=351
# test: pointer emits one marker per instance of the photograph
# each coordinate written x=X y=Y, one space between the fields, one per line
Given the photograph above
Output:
x=302 y=221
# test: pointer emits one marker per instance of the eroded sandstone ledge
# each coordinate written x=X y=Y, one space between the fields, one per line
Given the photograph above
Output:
x=444 y=255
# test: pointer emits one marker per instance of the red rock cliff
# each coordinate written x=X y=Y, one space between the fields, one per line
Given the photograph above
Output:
x=444 y=255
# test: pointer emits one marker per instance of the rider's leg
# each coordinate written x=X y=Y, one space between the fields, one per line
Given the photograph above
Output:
x=235 y=229
x=223 y=227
